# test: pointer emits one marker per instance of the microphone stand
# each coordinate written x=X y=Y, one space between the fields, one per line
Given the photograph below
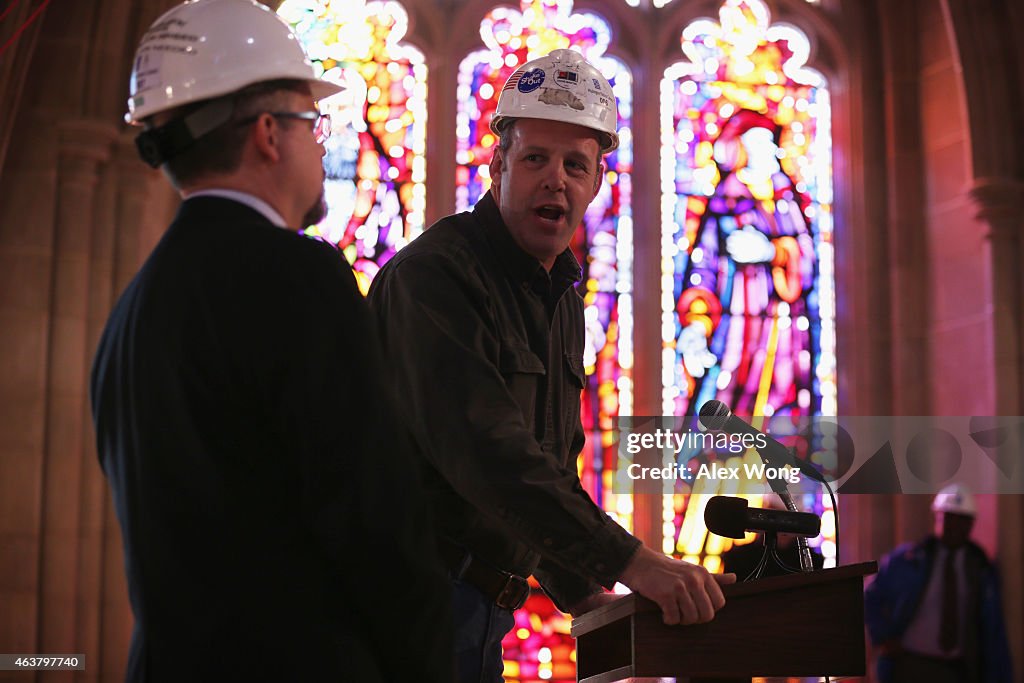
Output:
x=771 y=552
x=803 y=551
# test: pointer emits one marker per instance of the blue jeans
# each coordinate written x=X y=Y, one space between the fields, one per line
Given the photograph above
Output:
x=480 y=626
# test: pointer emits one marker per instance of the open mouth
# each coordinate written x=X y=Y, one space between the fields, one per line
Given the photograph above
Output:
x=550 y=212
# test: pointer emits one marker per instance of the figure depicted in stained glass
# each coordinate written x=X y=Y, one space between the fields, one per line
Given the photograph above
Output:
x=751 y=267
x=747 y=235
x=487 y=328
x=752 y=190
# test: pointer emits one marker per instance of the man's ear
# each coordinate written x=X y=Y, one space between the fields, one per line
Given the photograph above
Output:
x=265 y=135
x=495 y=167
x=599 y=179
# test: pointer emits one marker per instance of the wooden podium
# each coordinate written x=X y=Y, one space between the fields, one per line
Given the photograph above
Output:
x=795 y=625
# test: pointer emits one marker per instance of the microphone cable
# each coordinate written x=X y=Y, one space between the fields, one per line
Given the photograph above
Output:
x=835 y=518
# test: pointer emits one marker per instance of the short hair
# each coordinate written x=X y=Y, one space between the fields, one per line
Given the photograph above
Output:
x=505 y=137
x=220 y=150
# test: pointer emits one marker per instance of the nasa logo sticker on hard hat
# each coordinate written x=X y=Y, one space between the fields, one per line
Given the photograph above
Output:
x=597 y=84
x=530 y=80
x=567 y=78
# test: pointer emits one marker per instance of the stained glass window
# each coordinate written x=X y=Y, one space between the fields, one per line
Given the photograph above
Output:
x=540 y=646
x=375 y=163
x=747 y=251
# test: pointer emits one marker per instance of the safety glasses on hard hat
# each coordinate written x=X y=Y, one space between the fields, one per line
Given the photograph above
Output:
x=321 y=127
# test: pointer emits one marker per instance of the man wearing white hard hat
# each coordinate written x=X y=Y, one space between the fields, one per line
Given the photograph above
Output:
x=271 y=520
x=486 y=330
x=933 y=611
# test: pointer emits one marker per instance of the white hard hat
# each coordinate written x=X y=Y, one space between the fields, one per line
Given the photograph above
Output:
x=208 y=48
x=561 y=86
x=955 y=498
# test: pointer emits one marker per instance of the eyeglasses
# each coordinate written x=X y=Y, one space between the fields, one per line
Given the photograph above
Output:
x=321 y=127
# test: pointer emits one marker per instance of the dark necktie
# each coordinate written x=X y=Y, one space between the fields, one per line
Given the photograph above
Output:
x=949 y=627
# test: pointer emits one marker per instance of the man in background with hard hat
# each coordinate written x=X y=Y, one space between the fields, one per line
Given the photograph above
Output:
x=933 y=610
x=486 y=329
x=272 y=523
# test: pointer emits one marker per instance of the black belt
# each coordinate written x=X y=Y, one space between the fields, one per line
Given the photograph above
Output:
x=508 y=591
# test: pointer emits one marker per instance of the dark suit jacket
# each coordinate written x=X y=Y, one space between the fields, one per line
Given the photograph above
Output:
x=270 y=512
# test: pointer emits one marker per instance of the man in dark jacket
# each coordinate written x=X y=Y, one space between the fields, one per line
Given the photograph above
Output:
x=933 y=610
x=485 y=328
x=271 y=517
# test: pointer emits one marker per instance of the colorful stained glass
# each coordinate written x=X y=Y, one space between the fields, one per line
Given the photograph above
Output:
x=375 y=163
x=747 y=249
x=540 y=647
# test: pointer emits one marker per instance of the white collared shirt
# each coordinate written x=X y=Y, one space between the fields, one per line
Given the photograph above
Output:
x=922 y=635
x=249 y=200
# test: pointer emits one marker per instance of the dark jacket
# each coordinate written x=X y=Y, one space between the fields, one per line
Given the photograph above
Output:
x=271 y=521
x=488 y=349
x=893 y=597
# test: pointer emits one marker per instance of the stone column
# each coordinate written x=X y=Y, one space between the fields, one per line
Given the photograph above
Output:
x=117 y=180
x=441 y=138
x=83 y=147
x=139 y=197
x=999 y=202
x=651 y=517
x=907 y=231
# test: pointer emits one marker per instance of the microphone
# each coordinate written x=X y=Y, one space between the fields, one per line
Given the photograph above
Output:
x=716 y=416
x=731 y=517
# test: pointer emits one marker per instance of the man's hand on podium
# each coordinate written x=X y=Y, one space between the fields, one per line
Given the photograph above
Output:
x=687 y=593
